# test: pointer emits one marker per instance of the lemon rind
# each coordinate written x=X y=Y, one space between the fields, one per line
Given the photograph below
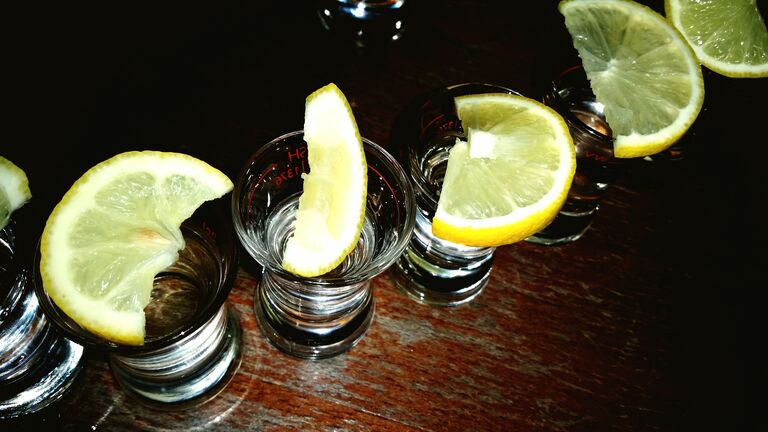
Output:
x=313 y=263
x=523 y=222
x=731 y=70
x=639 y=145
x=14 y=182
x=123 y=327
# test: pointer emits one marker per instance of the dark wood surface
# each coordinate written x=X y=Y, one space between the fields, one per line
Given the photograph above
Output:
x=642 y=324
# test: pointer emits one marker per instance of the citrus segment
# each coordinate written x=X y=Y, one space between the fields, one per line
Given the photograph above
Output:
x=640 y=68
x=331 y=209
x=115 y=229
x=728 y=36
x=512 y=175
x=14 y=189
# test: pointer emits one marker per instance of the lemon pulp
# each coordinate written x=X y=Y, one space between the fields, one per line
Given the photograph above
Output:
x=14 y=189
x=114 y=230
x=331 y=209
x=728 y=36
x=640 y=68
x=510 y=178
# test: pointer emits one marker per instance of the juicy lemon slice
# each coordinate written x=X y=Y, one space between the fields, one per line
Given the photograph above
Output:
x=510 y=178
x=115 y=229
x=728 y=36
x=332 y=203
x=640 y=68
x=14 y=190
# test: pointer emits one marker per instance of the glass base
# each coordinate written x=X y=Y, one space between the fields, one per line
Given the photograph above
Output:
x=433 y=286
x=52 y=380
x=188 y=372
x=436 y=272
x=37 y=366
x=367 y=23
x=310 y=336
x=566 y=228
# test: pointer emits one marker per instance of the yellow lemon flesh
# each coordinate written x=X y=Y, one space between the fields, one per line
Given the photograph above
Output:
x=728 y=36
x=331 y=209
x=510 y=178
x=14 y=190
x=640 y=68
x=114 y=230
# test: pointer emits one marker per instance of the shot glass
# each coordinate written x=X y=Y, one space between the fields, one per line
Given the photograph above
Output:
x=366 y=22
x=37 y=365
x=193 y=341
x=317 y=317
x=596 y=167
x=434 y=271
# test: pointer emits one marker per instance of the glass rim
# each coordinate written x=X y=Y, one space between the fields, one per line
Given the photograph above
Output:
x=564 y=111
x=431 y=98
x=375 y=267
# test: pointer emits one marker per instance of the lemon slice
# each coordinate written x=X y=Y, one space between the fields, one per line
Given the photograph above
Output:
x=510 y=178
x=115 y=229
x=332 y=203
x=728 y=36
x=640 y=68
x=14 y=190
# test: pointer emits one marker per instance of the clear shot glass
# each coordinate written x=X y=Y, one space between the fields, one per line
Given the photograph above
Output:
x=433 y=271
x=193 y=341
x=365 y=22
x=317 y=317
x=596 y=167
x=37 y=365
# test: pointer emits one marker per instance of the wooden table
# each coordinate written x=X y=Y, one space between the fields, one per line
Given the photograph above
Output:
x=640 y=325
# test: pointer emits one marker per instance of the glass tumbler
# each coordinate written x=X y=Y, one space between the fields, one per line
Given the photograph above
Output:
x=193 y=340
x=596 y=167
x=317 y=317
x=37 y=365
x=433 y=271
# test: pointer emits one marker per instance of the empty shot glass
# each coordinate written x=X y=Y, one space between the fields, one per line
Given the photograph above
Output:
x=365 y=22
x=434 y=271
x=596 y=167
x=193 y=339
x=317 y=317
x=37 y=365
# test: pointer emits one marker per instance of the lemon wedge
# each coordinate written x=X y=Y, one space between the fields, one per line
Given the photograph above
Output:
x=728 y=36
x=115 y=229
x=512 y=175
x=640 y=68
x=14 y=190
x=331 y=209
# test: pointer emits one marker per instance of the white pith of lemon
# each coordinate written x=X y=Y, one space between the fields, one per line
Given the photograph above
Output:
x=512 y=175
x=114 y=230
x=728 y=36
x=331 y=209
x=14 y=189
x=640 y=68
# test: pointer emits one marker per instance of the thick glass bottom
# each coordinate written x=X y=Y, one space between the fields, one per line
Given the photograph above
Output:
x=431 y=285
x=311 y=336
x=367 y=23
x=52 y=380
x=37 y=366
x=435 y=272
x=567 y=227
x=188 y=372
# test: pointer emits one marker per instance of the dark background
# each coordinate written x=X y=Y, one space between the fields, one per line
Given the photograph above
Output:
x=86 y=81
